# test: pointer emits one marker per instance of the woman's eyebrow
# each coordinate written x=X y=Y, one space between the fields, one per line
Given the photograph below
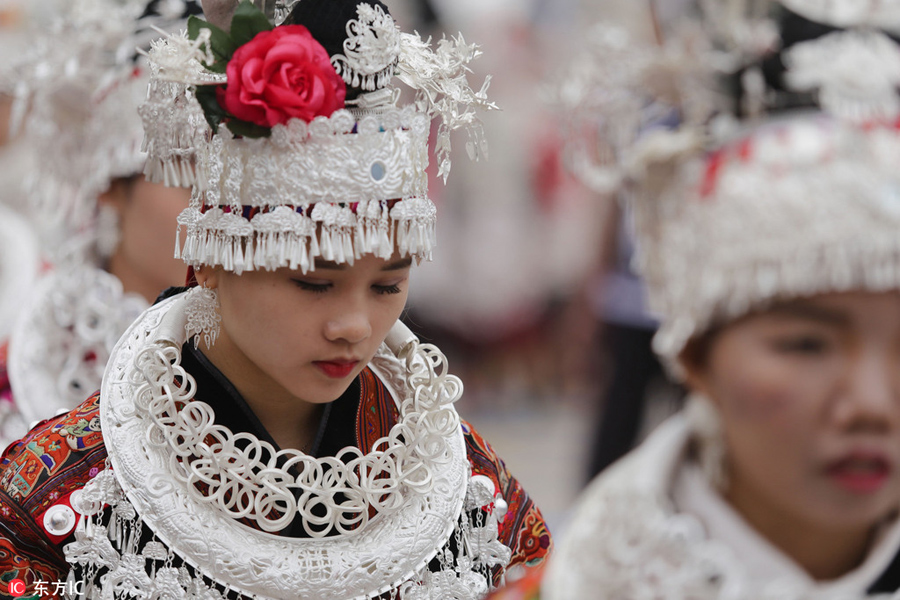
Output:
x=398 y=265
x=403 y=263
x=330 y=265
x=812 y=312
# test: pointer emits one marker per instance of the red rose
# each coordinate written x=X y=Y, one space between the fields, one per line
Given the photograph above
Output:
x=280 y=75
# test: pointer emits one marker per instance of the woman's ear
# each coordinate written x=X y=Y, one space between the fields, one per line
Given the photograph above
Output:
x=207 y=276
x=694 y=362
x=116 y=196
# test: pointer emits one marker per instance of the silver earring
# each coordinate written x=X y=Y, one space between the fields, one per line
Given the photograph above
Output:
x=202 y=311
x=706 y=426
x=108 y=233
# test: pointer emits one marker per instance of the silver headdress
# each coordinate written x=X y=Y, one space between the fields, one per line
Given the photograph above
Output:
x=788 y=188
x=81 y=83
x=78 y=87
x=287 y=181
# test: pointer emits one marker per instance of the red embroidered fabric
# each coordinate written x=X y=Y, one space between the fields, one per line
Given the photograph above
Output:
x=61 y=455
x=56 y=458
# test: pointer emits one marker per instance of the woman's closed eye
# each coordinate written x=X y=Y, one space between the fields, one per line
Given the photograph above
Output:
x=322 y=287
x=802 y=344
x=318 y=288
x=393 y=288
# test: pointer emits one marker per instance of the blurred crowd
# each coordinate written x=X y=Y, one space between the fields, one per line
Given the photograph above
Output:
x=682 y=249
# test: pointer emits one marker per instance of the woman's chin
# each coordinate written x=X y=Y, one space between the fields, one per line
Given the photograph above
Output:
x=320 y=392
x=851 y=509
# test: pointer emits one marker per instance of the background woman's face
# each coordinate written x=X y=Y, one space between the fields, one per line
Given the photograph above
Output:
x=144 y=259
x=309 y=335
x=809 y=395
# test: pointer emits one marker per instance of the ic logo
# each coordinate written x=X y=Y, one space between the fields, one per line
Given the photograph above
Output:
x=16 y=588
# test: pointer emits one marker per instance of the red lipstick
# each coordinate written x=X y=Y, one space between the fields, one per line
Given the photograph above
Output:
x=336 y=369
x=860 y=472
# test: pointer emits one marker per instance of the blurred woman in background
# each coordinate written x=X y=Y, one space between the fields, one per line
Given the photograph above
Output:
x=19 y=251
x=105 y=232
x=767 y=224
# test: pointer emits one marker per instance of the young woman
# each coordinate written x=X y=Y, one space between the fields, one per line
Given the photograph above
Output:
x=106 y=232
x=773 y=259
x=274 y=431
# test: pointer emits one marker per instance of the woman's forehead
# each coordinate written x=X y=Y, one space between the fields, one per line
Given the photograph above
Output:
x=837 y=308
x=367 y=263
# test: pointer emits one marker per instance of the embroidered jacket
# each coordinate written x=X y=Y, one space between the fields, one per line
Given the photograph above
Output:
x=59 y=456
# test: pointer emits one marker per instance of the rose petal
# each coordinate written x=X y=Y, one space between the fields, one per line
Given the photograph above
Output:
x=252 y=79
x=275 y=116
x=294 y=54
x=229 y=100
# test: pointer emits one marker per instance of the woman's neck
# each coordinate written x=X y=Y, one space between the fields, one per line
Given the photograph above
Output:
x=290 y=421
x=825 y=554
x=132 y=282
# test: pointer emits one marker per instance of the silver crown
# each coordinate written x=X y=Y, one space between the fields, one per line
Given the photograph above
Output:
x=337 y=187
x=735 y=210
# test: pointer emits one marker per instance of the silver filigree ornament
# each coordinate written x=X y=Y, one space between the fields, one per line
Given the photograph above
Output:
x=393 y=509
x=644 y=550
x=302 y=179
x=461 y=574
x=700 y=197
x=77 y=89
x=358 y=156
x=595 y=141
x=60 y=345
x=856 y=73
x=174 y=123
x=371 y=50
x=401 y=468
x=439 y=77
x=836 y=162
x=621 y=97
x=744 y=28
x=292 y=178
x=202 y=316
x=883 y=14
x=282 y=10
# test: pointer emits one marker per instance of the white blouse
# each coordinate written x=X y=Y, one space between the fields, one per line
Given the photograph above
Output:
x=693 y=494
x=651 y=526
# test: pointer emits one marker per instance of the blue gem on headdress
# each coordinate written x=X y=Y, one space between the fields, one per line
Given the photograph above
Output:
x=379 y=171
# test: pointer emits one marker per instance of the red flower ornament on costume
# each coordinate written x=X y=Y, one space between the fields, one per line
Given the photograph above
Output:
x=280 y=75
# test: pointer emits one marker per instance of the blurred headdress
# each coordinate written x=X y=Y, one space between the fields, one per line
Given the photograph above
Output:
x=759 y=146
x=305 y=150
x=78 y=87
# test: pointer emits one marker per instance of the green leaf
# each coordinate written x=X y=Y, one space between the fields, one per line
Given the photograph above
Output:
x=222 y=45
x=248 y=130
x=212 y=110
x=247 y=22
x=220 y=66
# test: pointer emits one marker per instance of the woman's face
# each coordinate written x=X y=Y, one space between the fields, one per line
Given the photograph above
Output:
x=308 y=335
x=148 y=212
x=809 y=395
x=6 y=103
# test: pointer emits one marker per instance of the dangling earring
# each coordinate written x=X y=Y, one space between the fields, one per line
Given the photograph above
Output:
x=202 y=310
x=108 y=234
x=706 y=425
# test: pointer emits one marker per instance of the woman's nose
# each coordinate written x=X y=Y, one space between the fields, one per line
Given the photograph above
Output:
x=351 y=326
x=872 y=398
